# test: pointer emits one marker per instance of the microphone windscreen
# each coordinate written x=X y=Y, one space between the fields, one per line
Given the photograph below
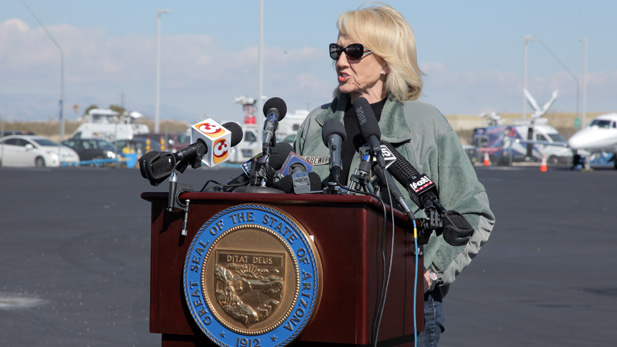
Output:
x=286 y=183
x=315 y=181
x=236 y=132
x=277 y=104
x=331 y=127
x=279 y=153
x=366 y=119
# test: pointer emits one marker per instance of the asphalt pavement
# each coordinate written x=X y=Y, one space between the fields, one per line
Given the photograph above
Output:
x=75 y=261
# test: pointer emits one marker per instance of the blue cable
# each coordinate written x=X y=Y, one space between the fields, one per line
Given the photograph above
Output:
x=415 y=285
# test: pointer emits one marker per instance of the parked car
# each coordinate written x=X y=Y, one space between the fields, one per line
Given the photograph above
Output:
x=170 y=142
x=29 y=150
x=89 y=149
x=16 y=132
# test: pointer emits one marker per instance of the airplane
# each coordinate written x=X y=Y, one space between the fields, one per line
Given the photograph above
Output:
x=599 y=136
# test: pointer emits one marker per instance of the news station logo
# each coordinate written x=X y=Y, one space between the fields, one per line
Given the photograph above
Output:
x=216 y=138
x=210 y=128
x=220 y=150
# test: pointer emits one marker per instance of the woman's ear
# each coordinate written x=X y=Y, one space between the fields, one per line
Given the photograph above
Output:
x=385 y=69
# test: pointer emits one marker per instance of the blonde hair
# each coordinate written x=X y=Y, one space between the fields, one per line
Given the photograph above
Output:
x=384 y=31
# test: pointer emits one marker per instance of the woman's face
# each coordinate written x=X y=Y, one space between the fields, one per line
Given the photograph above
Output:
x=363 y=77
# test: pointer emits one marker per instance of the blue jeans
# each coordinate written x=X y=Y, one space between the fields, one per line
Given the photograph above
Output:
x=434 y=319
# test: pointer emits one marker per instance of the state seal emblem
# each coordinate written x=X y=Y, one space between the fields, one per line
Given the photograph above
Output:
x=252 y=277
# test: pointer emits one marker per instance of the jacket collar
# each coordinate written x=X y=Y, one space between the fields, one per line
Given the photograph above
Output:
x=394 y=128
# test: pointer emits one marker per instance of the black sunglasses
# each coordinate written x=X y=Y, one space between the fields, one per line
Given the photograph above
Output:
x=354 y=51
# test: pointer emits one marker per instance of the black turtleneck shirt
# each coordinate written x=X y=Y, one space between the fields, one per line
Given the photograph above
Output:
x=354 y=140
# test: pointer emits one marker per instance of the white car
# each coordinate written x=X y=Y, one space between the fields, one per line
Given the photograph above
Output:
x=30 y=150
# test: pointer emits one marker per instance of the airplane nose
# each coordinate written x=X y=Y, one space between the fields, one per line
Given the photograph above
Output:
x=579 y=140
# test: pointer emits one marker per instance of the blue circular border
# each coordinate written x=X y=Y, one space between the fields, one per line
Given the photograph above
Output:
x=308 y=268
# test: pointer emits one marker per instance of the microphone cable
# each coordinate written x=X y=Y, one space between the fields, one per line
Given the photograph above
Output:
x=385 y=283
x=381 y=301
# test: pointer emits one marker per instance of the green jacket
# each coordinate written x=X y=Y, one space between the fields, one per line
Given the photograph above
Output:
x=424 y=137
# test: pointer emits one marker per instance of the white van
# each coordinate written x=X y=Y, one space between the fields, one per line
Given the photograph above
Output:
x=506 y=144
x=109 y=125
x=547 y=142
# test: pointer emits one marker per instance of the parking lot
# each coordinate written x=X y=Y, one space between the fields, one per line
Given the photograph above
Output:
x=74 y=259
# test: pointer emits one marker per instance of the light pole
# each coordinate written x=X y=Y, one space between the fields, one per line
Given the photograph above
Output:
x=568 y=71
x=158 y=68
x=583 y=122
x=526 y=39
x=260 y=88
x=61 y=118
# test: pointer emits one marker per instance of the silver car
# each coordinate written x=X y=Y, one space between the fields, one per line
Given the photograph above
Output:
x=29 y=150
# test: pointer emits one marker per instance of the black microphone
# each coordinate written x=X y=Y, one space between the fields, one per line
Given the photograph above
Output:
x=236 y=132
x=298 y=169
x=280 y=151
x=386 y=181
x=333 y=135
x=422 y=190
x=156 y=166
x=369 y=128
x=192 y=153
x=297 y=185
x=360 y=175
x=274 y=110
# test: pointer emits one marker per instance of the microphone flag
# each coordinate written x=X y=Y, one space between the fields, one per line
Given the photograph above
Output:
x=217 y=140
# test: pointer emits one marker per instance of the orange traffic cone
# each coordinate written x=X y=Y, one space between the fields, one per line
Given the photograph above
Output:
x=543 y=167
x=487 y=161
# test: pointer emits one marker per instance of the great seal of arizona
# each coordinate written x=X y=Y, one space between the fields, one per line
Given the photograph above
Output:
x=252 y=277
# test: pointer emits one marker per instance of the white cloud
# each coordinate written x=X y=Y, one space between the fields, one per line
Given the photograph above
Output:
x=201 y=76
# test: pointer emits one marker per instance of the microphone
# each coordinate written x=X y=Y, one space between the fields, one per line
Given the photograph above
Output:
x=361 y=173
x=369 y=128
x=157 y=166
x=279 y=151
x=290 y=184
x=209 y=134
x=422 y=190
x=294 y=163
x=298 y=169
x=398 y=196
x=214 y=137
x=333 y=135
x=274 y=110
x=236 y=132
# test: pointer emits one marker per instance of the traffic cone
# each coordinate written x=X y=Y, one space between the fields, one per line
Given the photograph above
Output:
x=487 y=161
x=543 y=167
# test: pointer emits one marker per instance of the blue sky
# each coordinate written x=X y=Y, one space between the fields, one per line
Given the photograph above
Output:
x=470 y=51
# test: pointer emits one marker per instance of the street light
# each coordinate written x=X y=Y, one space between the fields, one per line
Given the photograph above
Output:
x=260 y=63
x=535 y=38
x=526 y=39
x=61 y=118
x=568 y=71
x=158 y=67
x=583 y=122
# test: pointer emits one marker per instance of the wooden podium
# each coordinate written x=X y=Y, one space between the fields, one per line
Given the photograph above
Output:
x=348 y=233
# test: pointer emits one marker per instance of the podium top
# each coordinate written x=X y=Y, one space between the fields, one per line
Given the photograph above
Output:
x=364 y=201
